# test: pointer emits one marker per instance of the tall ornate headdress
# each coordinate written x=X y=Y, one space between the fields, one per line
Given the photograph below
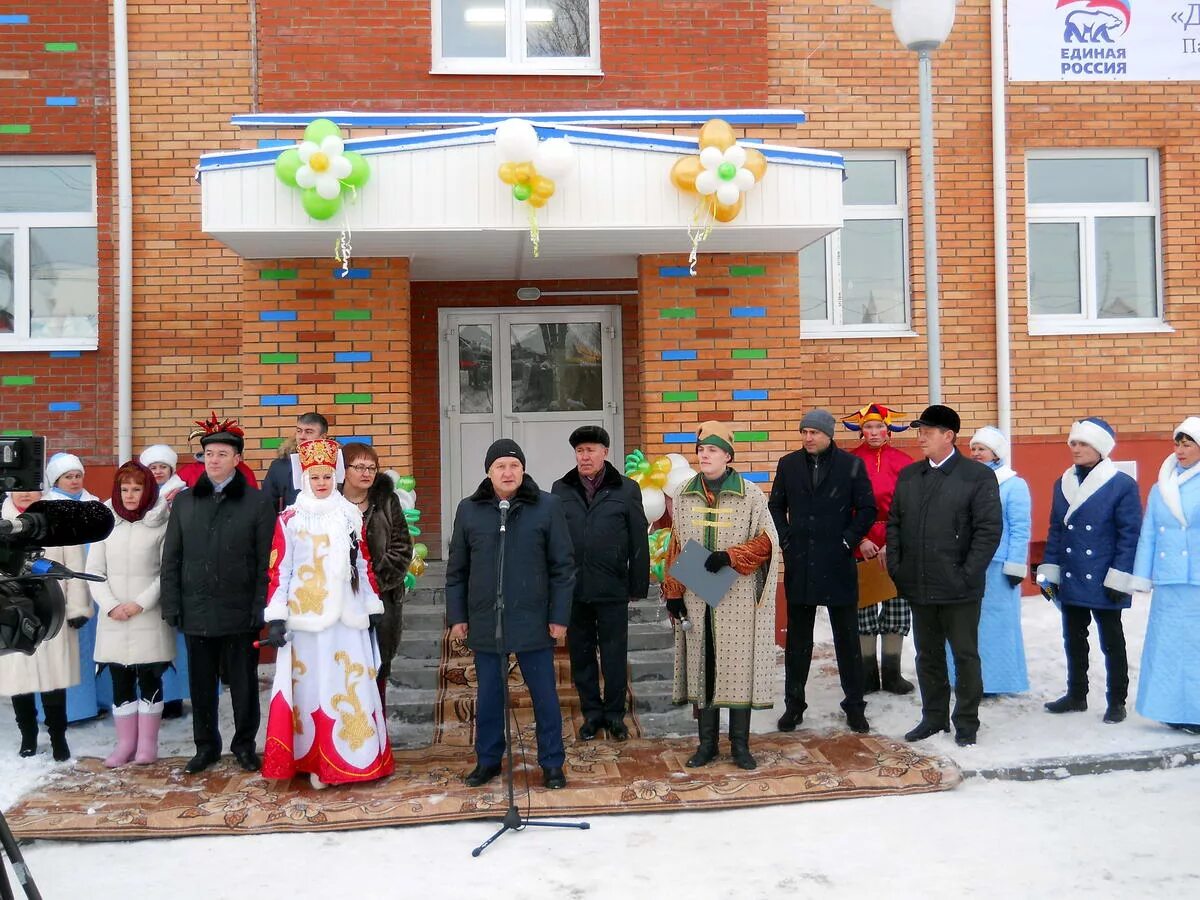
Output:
x=318 y=453
x=214 y=430
x=874 y=412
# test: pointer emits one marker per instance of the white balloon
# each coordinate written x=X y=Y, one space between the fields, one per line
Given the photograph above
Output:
x=328 y=186
x=679 y=461
x=306 y=177
x=554 y=158
x=710 y=157
x=517 y=140
x=408 y=499
x=339 y=167
x=706 y=182
x=744 y=179
x=727 y=193
x=332 y=145
x=676 y=478
x=654 y=502
x=736 y=155
x=306 y=149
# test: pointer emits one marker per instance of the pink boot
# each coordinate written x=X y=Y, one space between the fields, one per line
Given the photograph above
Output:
x=126 y=721
x=149 y=718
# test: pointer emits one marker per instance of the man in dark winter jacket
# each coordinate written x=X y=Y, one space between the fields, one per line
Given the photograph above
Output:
x=823 y=506
x=280 y=485
x=512 y=536
x=214 y=588
x=612 y=558
x=943 y=529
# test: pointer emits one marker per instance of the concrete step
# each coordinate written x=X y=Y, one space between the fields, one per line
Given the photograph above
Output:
x=425 y=643
x=653 y=697
x=429 y=617
x=652 y=665
x=411 y=705
x=421 y=674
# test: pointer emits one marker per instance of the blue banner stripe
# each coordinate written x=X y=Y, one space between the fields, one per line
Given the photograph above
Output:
x=678 y=355
x=275 y=142
x=279 y=400
x=65 y=406
x=352 y=356
x=679 y=437
x=750 y=394
x=277 y=315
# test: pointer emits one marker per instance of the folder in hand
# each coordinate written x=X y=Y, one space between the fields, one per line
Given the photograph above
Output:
x=688 y=569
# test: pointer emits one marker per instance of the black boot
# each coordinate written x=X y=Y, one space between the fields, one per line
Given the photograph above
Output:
x=893 y=682
x=871 y=680
x=54 y=704
x=26 y=712
x=792 y=716
x=1068 y=702
x=739 y=739
x=707 y=724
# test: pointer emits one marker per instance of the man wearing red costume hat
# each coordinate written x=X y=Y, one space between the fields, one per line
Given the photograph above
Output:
x=891 y=619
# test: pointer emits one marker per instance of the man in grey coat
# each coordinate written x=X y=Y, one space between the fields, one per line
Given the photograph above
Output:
x=943 y=529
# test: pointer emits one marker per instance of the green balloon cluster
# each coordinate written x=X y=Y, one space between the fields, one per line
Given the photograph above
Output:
x=289 y=163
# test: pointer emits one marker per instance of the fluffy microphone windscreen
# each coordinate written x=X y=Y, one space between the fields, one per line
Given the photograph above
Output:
x=66 y=523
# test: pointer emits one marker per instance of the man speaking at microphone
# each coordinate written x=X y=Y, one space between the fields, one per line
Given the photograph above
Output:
x=509 y=526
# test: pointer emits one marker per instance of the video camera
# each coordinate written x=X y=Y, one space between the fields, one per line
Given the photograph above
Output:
x=32 y=604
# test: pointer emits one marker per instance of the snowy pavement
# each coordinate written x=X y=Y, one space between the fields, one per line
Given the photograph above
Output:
x=1113 y=835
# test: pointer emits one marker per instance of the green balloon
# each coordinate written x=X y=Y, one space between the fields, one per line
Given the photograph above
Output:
x=522 y=191
x=410 y=580
x=420 y=551
x=412 y=515
x=317 y=206
x=726 y=171
x=414 y=530
x=406 y=483
x=360 y=171
x=286 y=165
x=319 y=129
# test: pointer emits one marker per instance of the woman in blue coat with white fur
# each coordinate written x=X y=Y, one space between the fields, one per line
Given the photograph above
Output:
x=1095 y=520
x=1168 y=558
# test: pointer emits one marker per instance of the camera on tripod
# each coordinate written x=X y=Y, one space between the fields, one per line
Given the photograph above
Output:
x=32 y=604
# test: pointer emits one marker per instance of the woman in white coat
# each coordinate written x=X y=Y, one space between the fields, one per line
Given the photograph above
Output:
x=1168 y=561
x=54 y=666
x=132 y=640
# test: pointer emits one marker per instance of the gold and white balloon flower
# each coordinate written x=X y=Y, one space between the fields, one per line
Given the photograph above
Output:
x=324 y=165
x=724 y=174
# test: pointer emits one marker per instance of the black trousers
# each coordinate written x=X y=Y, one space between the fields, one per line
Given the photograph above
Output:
x=797 y=658
x=603 y=627
x=234 y=657
x=129 y=681
x=935 y=625
x=1076 y=620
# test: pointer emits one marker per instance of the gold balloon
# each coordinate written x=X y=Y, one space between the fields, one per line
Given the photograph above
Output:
x=542 y=187
x=717 y=133
x=417 y=567
x=756 y=163
x=684 y=172
x=662 y=464
x=535 y=201
x=524 y=172
x=656 y=480
x=723 y=212
x=508 y=173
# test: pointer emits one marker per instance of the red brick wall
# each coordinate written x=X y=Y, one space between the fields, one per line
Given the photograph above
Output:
x=661 y=53
x=31 y=74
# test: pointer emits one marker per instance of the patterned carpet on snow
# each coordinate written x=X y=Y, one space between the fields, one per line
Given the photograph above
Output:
x=89 y=802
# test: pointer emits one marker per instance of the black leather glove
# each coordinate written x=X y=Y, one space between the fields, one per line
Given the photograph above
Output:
x=1014 y=580
x=717 y=560
x=677 y=609
x=376 y=619
x=77 y=622
x=1119 y=598
x=276 y=634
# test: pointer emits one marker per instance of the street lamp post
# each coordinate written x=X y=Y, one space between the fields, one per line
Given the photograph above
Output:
x=922 y=26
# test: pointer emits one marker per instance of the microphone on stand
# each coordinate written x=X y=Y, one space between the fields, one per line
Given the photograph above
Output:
x=61 y=523
x=503 y=515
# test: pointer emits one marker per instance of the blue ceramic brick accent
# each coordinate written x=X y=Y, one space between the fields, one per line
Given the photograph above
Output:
x=679 y=437
x=14 y=20
x=62 y=101
x=748 y=312
x=678 y=355
x=674 y=272
x=277 y=315
x=64 y=354
x=280 y=400
x=352 y=273
x=66 y=406
x=352 y=356
x=750 y=395
x=758 y=477
x=353 y=440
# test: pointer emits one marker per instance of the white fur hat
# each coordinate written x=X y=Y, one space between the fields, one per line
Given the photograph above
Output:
x=1190 y=427
x=993 y=438
x=59 y=465
x=1094 y=432
x=159 y=453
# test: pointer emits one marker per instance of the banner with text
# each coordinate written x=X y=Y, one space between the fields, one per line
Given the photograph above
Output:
x=1103 y=40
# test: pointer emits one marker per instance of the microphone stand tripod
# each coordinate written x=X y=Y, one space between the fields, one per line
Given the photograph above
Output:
x=513 y=820
x=8 y=847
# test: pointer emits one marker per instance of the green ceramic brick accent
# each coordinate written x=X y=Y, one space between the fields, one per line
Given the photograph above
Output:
x=748 y=353
x=13 y=128
x=679 y=396
x=17 y=432
x=16 y=380
x=747 y=271
x=678 y=312
x=279 y=274
x=270 y=359
x=751 y=436
x=62 y=47
x=353 y=398
x=351 y=315
x=271 y=443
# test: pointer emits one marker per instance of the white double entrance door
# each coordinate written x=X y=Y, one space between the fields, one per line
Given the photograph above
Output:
x=531 y=375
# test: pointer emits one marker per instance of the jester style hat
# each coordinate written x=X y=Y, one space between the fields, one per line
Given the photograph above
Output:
x=874 y=412
x=321 y=453
x=214 y=431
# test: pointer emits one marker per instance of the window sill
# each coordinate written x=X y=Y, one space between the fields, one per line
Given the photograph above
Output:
x=512 y=69
x=1121 y=326
x=854 y=332
x=38 y=346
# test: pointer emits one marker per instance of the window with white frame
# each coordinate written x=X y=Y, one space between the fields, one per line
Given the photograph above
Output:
x=1093 y=240
x=48 y=257
x=532 y=36
x=856 y=280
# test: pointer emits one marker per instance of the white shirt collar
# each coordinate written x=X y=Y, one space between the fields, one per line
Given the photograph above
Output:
x=938 y=465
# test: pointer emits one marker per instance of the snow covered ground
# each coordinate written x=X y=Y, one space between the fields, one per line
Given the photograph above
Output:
x=1115 y=835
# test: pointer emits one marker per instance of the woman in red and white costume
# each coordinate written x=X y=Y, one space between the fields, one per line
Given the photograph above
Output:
x=326 y=718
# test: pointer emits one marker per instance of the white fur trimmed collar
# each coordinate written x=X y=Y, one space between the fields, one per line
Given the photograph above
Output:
x=1003 y=473
x=1076 y=493
x=1169 y=483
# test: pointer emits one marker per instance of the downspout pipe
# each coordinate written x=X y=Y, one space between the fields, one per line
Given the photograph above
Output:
x=1000 y=219
x=124 y=235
